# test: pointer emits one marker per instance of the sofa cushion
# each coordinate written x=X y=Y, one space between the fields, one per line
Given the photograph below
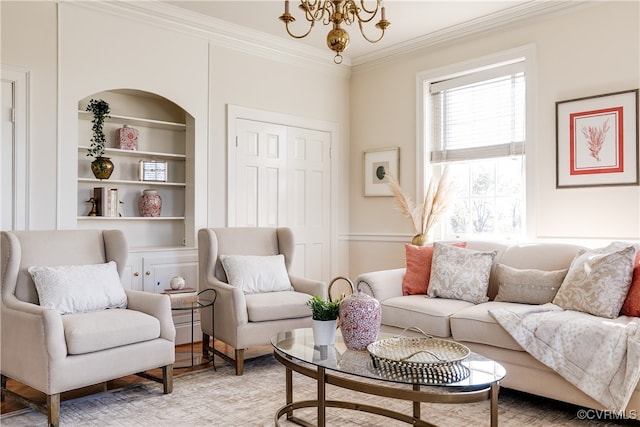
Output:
x=431 y=315
x=527 y=286
x=256 y=274
x=79 y=288
x=277 y=305
x=100 y=330
x=598 y=280
x=475 y=324
x=631 y=306
x=418 y=272
x=460 y=273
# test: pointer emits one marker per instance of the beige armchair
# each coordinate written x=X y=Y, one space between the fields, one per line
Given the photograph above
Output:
x=243 y=319
x=53 y=352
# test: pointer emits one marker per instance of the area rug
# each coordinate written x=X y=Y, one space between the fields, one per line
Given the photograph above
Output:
x=220 y=398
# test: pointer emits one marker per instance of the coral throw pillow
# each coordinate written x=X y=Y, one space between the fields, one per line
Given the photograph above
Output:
x=631 y=306
x=419 y=258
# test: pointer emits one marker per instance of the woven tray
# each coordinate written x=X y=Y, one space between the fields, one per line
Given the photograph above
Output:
x=418 y=351
x=428 y=360
x=428 y=374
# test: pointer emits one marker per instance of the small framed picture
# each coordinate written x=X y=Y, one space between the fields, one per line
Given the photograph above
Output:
x=377 y=165
x=597 y=140
x=151 y=170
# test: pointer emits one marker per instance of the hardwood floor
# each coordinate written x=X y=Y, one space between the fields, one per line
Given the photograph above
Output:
x=8 y=405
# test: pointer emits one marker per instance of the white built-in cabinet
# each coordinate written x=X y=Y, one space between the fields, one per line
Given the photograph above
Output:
x=160 y=247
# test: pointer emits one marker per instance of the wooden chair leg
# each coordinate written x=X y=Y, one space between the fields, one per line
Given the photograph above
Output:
x=3 y=386
x=239 y=361
x=167 y=379
x=53 y=409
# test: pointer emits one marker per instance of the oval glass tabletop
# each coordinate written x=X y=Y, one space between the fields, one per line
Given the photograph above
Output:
x=473 y=372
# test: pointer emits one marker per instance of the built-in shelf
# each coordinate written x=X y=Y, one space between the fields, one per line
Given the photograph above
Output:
x=112 y=182
x=163 y=137
x=136 y=121
x=136 y=153
x=131 y=218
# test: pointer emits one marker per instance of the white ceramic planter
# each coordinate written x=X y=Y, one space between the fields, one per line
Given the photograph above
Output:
x=324 y=332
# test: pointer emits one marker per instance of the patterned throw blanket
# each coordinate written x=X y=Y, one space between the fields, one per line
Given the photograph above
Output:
x=598 y=356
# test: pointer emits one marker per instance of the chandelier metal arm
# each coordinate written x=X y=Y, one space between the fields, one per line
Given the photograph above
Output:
x=336 y=12
x=296 y=36
x=367 y=38
x=353 y=9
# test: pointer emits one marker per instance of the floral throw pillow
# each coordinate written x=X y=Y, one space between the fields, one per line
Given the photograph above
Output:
x=418 y=272
x=598 y=280
x=460 y=273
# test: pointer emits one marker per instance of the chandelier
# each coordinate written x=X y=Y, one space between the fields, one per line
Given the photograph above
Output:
x=336 y=12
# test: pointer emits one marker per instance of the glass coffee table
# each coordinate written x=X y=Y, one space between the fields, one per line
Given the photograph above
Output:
x=354 y=370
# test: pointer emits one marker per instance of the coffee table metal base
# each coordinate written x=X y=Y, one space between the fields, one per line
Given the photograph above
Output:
x=415 y=395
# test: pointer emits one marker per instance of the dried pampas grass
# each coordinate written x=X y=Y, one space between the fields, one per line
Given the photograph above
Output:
x=435 y=204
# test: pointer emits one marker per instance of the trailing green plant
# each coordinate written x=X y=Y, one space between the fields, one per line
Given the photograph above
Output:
x=322 y=309
x=100 y=110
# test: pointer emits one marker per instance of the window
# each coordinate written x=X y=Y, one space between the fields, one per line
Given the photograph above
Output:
x=475 y=125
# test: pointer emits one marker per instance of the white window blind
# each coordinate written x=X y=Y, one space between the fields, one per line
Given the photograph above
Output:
x=479 y=115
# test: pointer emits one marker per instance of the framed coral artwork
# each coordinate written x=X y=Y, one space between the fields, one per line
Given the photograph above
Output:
x=597 y=140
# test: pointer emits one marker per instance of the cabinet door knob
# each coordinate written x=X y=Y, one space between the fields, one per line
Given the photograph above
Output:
x=147 y=273
x=136 y=274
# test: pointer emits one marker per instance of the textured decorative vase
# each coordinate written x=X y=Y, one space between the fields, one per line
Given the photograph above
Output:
x=360 y=318
x=127 y=138
x=324 y=332
x=102 y=167
x=150 y=203
x=419 y=240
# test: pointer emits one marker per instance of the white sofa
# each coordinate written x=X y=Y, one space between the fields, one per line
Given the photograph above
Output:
x=473 y=325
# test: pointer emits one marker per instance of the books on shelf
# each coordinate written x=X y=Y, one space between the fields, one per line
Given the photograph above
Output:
x=107 y=201
x=182 y=296
x=100 y=196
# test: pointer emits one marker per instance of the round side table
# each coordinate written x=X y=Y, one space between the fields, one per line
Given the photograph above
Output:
x=205 y=298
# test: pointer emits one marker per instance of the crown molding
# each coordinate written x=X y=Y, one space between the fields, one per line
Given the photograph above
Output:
x=514 y=14
x=224 y=34
x=219 y=33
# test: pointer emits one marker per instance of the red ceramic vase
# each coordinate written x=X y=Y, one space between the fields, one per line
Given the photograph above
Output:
x=360 y=317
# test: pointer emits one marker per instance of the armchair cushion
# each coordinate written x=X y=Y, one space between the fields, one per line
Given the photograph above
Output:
x=277 y=305
x=117 y=328
x=256 y=274
x=79 y=288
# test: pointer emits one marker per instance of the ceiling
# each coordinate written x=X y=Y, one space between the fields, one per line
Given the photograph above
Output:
x=411 y=20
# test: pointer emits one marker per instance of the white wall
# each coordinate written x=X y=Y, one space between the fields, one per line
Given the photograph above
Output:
x=73 y=50
x=28 y=41
x=591 y=50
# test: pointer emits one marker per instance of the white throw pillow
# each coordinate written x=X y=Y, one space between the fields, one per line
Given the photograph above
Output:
x=598 y=280
x=460 y=273
x=256 y=274
x=79 y=288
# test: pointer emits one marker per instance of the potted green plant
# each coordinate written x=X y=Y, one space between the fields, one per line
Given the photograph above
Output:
x=324 y=314
x=102 y=167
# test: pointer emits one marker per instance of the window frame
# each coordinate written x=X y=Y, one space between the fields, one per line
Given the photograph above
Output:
x=424 y=168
